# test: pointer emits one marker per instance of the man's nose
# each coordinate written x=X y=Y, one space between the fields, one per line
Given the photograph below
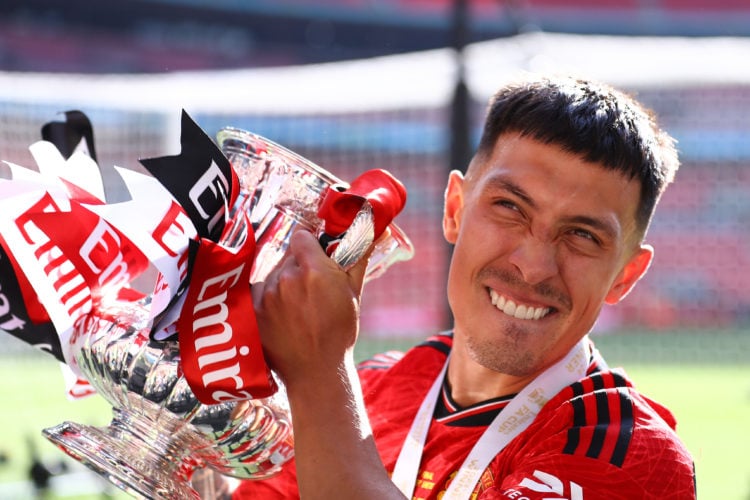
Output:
x=535 y=259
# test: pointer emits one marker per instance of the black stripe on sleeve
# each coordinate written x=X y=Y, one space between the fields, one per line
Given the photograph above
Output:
x=626 y=428
x=579 y=419
x=603 y=418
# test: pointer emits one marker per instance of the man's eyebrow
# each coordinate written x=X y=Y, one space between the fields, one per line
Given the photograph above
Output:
x=503 y=183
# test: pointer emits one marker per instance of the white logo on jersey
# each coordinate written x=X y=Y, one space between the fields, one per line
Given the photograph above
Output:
x=552 y=484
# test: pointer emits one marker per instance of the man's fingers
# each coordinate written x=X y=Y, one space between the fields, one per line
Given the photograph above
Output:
x=308 y=252
x=304 y=246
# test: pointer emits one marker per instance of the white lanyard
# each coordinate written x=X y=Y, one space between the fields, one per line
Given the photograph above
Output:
x=510 y=422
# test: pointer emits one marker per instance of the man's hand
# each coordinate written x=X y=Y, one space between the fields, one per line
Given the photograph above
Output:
x=308 y=310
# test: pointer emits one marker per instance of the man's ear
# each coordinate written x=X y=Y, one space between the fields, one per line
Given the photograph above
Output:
x=454 y=202
x=630 y=274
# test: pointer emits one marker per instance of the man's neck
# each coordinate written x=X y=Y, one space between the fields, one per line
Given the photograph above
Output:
x=471 y=383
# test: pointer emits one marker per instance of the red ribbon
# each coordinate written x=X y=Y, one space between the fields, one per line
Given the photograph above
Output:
x=222 y=357
x=385 y=193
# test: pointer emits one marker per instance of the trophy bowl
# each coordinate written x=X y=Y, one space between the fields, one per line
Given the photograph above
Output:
x=160 y=433
x=283 y=190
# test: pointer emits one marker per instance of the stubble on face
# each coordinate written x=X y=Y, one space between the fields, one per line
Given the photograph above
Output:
x=505 y=355
x=509 y=352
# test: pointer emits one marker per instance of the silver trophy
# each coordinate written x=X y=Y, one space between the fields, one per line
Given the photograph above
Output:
x=160 y=434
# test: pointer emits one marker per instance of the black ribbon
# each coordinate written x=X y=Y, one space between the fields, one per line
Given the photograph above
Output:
x=14 y=318
x=200 y=178
x=67 y=135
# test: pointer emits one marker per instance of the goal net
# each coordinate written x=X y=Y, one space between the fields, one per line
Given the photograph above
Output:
x=394 y=113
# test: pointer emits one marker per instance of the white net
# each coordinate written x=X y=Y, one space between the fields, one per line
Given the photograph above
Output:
x=394 y=113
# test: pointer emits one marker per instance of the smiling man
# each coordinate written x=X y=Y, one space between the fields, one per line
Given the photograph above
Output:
x=542 y=239
x=548 y=225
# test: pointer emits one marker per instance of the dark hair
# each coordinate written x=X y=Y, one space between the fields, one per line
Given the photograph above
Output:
x=591 y=120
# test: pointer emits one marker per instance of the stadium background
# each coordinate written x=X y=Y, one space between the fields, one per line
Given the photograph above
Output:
x=402 y=85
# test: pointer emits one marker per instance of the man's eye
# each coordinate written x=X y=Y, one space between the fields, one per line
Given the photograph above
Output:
x=507 y=204
x=582 y=233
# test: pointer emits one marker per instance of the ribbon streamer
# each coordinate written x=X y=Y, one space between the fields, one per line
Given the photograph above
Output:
x=66 y=251
x=385 y=194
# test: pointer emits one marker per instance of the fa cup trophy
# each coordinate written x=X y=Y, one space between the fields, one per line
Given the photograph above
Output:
x=158 y=358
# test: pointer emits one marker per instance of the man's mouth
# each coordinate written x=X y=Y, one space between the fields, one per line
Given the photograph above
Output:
x=517 y=310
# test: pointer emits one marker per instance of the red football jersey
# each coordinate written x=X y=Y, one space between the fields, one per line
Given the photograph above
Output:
x=598 y=438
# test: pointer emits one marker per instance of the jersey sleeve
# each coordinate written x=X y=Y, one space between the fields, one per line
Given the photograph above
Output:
x=372 y=369
x=605 y=443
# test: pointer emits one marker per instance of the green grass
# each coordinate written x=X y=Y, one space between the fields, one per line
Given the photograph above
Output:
x=33 y=398
x=712 y=406
x=704 y=378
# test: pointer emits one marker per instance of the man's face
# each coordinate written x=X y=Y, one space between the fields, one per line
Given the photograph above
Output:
x=542 y=240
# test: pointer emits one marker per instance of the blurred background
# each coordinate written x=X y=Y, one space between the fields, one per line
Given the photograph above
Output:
x=402 y=85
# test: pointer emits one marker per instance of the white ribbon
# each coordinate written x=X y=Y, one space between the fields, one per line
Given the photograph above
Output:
x=508 y=424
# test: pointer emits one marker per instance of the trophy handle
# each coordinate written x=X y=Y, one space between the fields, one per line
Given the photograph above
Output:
x=356 y=241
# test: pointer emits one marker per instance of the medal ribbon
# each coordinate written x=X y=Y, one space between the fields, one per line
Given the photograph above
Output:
x=508 y=424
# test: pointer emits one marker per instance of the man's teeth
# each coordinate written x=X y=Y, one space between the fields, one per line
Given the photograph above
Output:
x=518 y=311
